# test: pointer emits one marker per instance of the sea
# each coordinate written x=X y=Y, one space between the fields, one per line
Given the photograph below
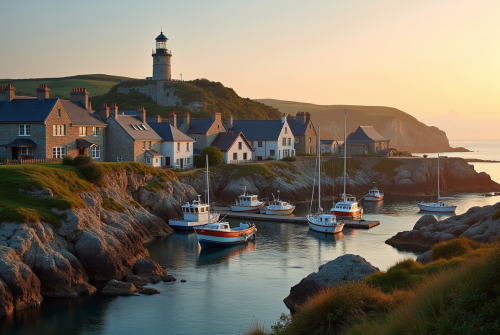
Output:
x=228 y=289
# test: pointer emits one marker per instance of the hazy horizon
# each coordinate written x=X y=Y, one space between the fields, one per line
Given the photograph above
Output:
x=435 y=60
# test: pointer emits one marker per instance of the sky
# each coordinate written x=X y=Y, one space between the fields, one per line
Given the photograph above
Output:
x=438 y=60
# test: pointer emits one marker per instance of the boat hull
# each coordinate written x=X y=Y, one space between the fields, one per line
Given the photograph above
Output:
x=277 y=211
x=348 y=215
x=237 y=208
x=374 y=198
x=212 y=238
x=186 y=225
x=441 y=209
x=326 y=229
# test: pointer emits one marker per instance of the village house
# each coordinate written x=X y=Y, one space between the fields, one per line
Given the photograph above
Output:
x=234 y=146
x=330 y=146
x=45 y=127
x=367 y=140
x=304 y=133
x=269 y=138
x=176 y=147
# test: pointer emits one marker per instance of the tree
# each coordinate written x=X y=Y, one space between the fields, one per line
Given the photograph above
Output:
x=215 y=156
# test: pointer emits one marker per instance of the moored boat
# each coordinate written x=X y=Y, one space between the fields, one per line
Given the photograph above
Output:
x=247 y=202
x=374 y=195
x=278 y=207
x=221 y=234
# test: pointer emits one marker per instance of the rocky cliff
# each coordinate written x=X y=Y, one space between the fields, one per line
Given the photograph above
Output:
x=92 y=244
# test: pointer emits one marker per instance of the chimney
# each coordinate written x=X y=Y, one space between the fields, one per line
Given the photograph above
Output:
x=301 y=117
x=172 y=119
x=104 y=114
x=141 y=113
x=113 y=109
x=229 y=123
x=283 y=118
x=216 y=116
x=187 y=119
x=158 y=118
x=80 y=95
x=10 y=92
x=42 y=92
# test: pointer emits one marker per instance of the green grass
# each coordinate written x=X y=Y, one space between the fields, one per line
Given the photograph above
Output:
x=65 y=181
x=138 y=168
x=387 y=166
x=456 y=248
x=155 y=186
x=496 y=216
x=134 y=203
x=264 y=170
x=110 y=204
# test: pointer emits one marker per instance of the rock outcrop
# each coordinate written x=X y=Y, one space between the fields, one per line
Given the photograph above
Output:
x=115 y=287
x=476 y=224
x=149 y=269
x=345 y=268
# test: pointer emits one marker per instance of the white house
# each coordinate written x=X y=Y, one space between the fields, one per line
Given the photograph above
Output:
x=235 y=147
x=176 y=147
x=269 y=138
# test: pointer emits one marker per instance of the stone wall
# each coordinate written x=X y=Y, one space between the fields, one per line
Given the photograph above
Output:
x=9 y=132
x=119 y=142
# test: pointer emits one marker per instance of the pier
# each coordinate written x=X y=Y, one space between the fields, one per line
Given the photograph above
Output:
x=226 y=212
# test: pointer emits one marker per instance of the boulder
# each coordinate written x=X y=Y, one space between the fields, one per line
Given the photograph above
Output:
x=425 y=257
x=424 y=221
x=149 y=291
x=168 y=278
x=6 y=299
x=149 y=269
x=115 y=287
x=342 y=269
x=138 y=281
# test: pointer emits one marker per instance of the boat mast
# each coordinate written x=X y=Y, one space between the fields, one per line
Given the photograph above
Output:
x=318 y=148
x=438 y=179
x=345 y=152
x=208 y=181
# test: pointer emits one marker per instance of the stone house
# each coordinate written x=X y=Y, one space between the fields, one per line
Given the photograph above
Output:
x=367 y=135
x=176 y=147
x=130 y=137
x=45 y=127
x=330 y=146
x=269 y=138
x=234 y=146
x=304 y=133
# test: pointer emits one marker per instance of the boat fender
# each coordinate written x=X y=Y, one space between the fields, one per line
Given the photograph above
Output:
x=246 y=236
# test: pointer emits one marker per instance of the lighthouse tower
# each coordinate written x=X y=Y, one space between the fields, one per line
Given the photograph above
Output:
x=161 y=59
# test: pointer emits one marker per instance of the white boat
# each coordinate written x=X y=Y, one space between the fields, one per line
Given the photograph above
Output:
x=247 y=203
x=278 y=207
x=221 y=234
x=319 y=221
x=374 y=194
x=348 y=207
x=440 y=205
x=197 y=213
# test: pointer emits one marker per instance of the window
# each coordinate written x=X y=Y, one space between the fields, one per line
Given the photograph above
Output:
x=24 y=130
x=27 y=151
x=156 y=159
x=286 y=130
x=235 y=156
x=289 y=141
x=148 y=160
x=59 y=113
x=218 y=127
x=177 y=162
x=253 y=145
x=309 y=139
x=143 y=145
x=178 y=146
x=195 y=139
x=119 y=158
x=59 y=152
x=310 y=150
x=272 y=152
x=187 y=146
x=95 y=131
x=259 y=143
x=296 y=140
x=96 y=152
x=149 y=145
x=188 y=161
x=284 y=140
x=59 y=130
x=245 y=156
x=82 y=131
x=240 y=145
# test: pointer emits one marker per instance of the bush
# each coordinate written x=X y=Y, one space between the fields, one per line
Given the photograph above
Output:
x=289 y=159
x=68 y=160
x=270 y=158
x=93 y=172
x=215 y=156
x=82 y=160
x=455 y=248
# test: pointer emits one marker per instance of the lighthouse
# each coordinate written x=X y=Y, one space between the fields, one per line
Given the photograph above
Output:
x=161 y=59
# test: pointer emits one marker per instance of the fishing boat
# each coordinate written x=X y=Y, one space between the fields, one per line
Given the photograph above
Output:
x=319 y=221
x=278 y=207
x=440 y=205
x=196 y=213
x=221 y=234
x=374 y=194
x=348 y=207
x=247 y=203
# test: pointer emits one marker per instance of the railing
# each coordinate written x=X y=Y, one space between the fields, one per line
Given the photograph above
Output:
x=29 y=161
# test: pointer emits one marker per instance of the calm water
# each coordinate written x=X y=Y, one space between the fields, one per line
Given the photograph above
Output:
x=226 y=288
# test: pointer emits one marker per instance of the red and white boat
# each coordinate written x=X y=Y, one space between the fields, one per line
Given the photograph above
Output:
x=247 y=203
x=374 y=195
x=221 y=234
x=278 y=207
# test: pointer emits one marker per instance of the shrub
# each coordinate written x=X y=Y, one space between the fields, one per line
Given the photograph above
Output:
x=82 y=160
x=455 y=248
x=93 y=172
x=215 y=156
x=134 y=203
x=289 y=159
x=68 y=160
x=270 y=158
x=110 y=204
x=156 y=186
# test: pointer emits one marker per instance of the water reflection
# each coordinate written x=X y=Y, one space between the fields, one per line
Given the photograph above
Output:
x=223 y=254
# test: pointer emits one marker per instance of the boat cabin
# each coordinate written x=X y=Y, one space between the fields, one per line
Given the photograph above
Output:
x=196 y=210
x=346 y=205
x=247 y=199
x=375 y=191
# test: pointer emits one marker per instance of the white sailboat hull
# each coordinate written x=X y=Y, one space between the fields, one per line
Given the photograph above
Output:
x=435 y=207
x=332 y=229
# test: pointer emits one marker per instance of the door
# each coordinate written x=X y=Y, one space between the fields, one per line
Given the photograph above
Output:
x=182 y=163
x=14 y=153
x=81 y=151
x=167 y=161
x=259 y=158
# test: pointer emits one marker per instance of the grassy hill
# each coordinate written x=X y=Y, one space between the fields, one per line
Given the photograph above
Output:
x=96 y=84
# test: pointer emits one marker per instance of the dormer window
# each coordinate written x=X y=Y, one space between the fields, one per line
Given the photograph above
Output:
x=144 y=127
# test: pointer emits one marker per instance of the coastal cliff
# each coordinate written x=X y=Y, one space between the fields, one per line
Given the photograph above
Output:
x=95 y=242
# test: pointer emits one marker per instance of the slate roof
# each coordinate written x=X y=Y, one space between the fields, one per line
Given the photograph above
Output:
x=139 y=133
x=224 y=141
x=83 y=143
x=80 y=116
x=26 y=110
x=298 y=128
x=365 y=133
x=327 y=141
x=258 y=130
x=154 y=153
x=20 y=143
x=168 y=133
x=197 y=126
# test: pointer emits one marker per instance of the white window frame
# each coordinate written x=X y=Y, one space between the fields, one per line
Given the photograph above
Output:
x=95 y=152
x=82 y=131
x=149 y=145
x=26 y=130
x=144 y=145
x=119 y=158
x=148 y=160
x=289 y=141
x=27 y=151
x=59 y=130
x=284 y=141
x=59 y=152
x=187 y=147
x=95 y=131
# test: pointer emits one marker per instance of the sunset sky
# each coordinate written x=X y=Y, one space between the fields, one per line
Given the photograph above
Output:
x=438 y=60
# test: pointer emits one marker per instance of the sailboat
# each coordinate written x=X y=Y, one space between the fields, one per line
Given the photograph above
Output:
x=440 y=205
x=348 y=207
x=196 y=213
x=319 y=221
